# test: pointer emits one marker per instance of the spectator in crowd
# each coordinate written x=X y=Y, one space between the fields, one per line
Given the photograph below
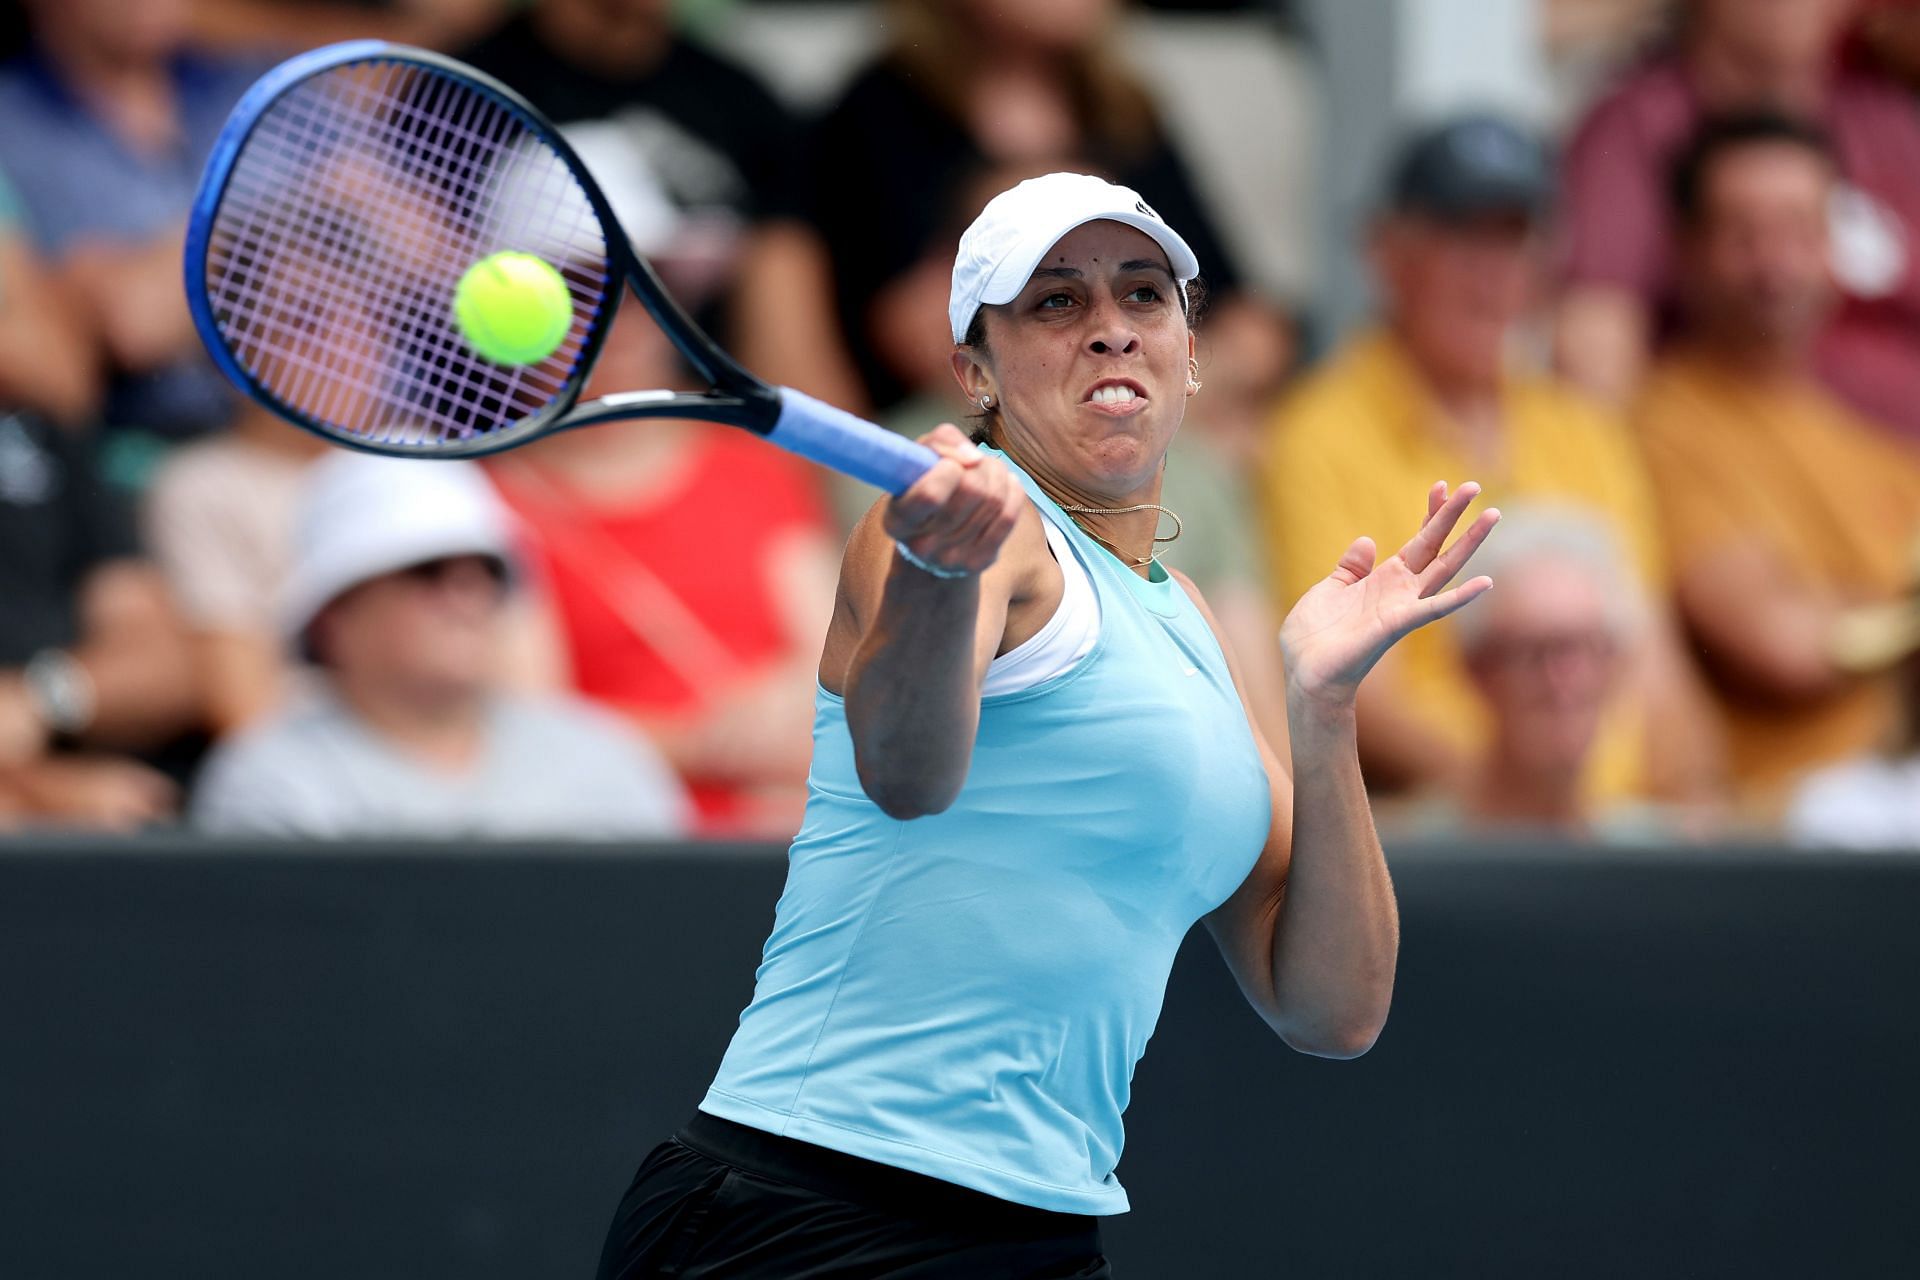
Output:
x=693 y=571
x=1872 y=802
x=1428 y=396
x=1782 y=507
x=1548 y=661
x=109 y=118
x=725 y=153
x=690 y=568
x=248 y=25
x=1620 y=296
x=220 y=523
x=964 y=86
x=220 y=511
x=91 y=664
x=397 y=590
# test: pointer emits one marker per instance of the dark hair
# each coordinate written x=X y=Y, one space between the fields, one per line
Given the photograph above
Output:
x=982 y=432
x=1722 y=134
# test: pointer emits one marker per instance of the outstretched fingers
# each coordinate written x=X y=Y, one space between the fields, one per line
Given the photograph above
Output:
x=1447 y=565
x=1443 y=512
x=1434 y=608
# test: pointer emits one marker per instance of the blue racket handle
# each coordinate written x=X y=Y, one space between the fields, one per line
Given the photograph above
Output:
x=852 y=445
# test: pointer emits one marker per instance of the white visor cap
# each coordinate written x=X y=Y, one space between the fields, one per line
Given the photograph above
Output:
x=999 y=252
x=362 y=517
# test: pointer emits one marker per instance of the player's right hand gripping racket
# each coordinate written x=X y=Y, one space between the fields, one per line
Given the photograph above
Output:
x=352 y=188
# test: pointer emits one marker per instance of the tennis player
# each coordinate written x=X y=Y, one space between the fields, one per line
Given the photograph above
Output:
x=1032 y=772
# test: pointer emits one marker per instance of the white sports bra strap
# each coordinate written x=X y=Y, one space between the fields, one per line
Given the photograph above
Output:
x=1068 y=636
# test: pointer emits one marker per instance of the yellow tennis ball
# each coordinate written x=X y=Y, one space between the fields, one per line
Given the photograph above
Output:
x=512 y=308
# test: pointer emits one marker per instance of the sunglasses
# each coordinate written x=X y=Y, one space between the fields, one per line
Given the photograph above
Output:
x=1539 y=650
x=437 y=571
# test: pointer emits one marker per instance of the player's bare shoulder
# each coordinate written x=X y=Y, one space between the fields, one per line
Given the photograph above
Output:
x=1033 y=575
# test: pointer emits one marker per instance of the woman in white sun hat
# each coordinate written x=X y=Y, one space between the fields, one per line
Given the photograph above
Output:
x=1032 y=773
x=398 y=594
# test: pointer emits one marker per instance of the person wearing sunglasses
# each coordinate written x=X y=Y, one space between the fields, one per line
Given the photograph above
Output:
x=397 y=595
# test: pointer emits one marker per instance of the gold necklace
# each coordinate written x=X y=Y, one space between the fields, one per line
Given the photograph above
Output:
x=1145 y=560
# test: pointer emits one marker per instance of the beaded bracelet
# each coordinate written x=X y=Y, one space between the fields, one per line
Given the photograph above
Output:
x=927 y=566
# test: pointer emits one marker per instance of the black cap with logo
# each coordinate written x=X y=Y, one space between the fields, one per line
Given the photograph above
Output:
x=1471 y=166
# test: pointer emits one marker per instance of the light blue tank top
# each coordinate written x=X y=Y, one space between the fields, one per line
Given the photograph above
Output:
x=965 y=995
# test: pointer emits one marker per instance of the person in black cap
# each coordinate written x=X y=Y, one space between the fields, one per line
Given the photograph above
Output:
x=1427 y=393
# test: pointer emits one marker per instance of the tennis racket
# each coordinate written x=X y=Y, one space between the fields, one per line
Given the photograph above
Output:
x=351 y=189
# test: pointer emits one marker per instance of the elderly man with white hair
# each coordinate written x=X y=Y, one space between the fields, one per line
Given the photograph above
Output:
x=401 y=569
x=1548 y=656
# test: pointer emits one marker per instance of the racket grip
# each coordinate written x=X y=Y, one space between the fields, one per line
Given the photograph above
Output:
x=849 y=444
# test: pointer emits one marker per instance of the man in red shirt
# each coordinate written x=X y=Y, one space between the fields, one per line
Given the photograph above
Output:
x=1734 y=55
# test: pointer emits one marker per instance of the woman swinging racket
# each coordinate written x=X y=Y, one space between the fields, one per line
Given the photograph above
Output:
x=1032 y=773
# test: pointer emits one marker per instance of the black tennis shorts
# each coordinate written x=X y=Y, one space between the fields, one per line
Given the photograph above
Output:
x=720 y=1201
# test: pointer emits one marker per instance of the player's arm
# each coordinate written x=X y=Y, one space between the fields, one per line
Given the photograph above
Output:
x=1313 y=934
x=909 y=650
x=1310 y=1010
x=1244 y=926
x=1324 y=984
x=1317 y=486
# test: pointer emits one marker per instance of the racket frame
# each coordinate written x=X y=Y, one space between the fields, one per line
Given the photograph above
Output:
x=737 y=398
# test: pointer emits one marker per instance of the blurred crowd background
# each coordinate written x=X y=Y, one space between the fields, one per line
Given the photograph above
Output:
x=1647 y=269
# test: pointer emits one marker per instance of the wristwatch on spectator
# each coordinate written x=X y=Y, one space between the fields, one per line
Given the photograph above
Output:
x=61 y=691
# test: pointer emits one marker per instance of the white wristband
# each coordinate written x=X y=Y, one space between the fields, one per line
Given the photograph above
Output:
x=927 y=566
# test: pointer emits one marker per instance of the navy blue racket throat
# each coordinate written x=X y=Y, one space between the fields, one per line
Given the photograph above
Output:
x=351 y=189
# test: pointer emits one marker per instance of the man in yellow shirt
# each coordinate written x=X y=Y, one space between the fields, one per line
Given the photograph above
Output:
x=1782 y=508
x=1428 y=396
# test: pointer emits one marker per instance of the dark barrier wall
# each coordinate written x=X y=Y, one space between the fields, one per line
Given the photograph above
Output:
x=408 y=1063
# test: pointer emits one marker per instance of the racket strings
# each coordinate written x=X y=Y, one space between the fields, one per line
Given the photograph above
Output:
x=444 y=169
x=334 y=284
x=356 y=203
x=342 y=285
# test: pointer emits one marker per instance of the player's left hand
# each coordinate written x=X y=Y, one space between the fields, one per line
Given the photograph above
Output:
x=1339 y=628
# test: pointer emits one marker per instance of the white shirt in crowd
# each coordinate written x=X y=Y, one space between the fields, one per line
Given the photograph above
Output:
x=550 y=767
x=1864 y=804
